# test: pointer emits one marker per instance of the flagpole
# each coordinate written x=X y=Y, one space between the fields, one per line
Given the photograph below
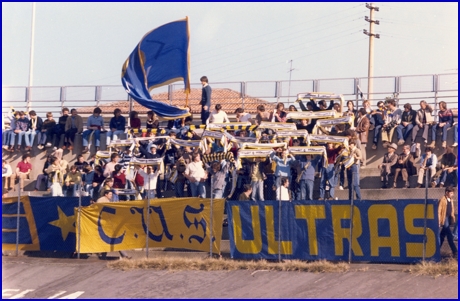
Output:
x=31 y=61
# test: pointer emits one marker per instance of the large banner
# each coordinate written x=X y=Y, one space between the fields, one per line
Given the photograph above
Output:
x=45 y=223
x=389 y=231
x=175 y=222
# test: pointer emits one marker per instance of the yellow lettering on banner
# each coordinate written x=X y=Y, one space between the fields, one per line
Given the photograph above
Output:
x=340 y=212
x=247 y=246
x=415 y=249
x=375 y=213
x=310 y=214
x=286 y=246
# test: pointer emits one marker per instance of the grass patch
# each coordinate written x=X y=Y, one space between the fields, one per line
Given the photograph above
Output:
x=212 y=264
x=447 y=267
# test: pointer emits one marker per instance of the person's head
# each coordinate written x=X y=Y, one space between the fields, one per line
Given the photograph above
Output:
x=73 y=112
x=99 y=169
x=295 y=142
x=285 y=182
x=22 y=114
x=239 y=111
x=352 y=143
x=330 y=145
x=442 y=105
x=449 y=192
x=322 y=104
x=261 y=108
x=26 y=158
x=73 y=168
x=149 y=169
x=308 y=157
x=97 y=111
x=172 y=134
x=33 y=114
x=109 y=182
x=247 y=189
x=80 y=158
x=362 y=112
x=65 y=111
x=204 y=80
x=337 y=107
x=133 y=114
x=280 y=106
x=292 y=108
x=381 y=105
x=406 y=149
x=391 y=104
x=49 y=116
x=392 y=148
x=87 y=168
x=215 y=166
x=243 y=133
x=117 y=168
x=153 y=148
x=17 y=114
x=117 y=112
x=366 y=104
x=350 y=105
x=309 y=106
x=218 y=107
x=304 y=122
x=196 y=157
x=407 y=107
x=150 y=115
x=108 y=194
x=114 y=157
x=423 y=104
x=428 y=150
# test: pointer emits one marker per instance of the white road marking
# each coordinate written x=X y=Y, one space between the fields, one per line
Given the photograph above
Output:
x=5 y=292
x=74 y=295
x=21 y=294
x=56 y=295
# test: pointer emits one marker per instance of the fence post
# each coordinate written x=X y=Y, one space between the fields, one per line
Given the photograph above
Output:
x=279 y=223
x=210 y=219
x=17 y=218
x=425 y=216
x=79 y=219
x=148 y=222
x=351 y=217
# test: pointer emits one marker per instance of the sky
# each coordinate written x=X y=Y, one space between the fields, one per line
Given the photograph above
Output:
x=87 y=43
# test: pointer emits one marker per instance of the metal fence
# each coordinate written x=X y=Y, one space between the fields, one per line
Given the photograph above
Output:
x=405 y=89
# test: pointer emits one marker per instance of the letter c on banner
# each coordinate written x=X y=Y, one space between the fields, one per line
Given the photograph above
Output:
x=105 y=237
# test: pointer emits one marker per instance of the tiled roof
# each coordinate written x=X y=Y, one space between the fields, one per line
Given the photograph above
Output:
x=229 y=99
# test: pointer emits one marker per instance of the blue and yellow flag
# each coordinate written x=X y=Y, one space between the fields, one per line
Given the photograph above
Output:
x=45 y=223
x=160 y=58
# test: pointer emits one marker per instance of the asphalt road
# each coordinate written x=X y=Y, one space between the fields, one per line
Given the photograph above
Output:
x=56 y=278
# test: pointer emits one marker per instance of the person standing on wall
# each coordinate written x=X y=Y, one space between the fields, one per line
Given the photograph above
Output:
x=205 y=99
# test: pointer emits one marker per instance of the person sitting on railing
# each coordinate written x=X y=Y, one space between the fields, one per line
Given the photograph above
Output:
x=134 y=121
x=455 y=135
x=44 y=176
x=218 y=116
x=34 y=128
x=72 y=182
x=10 y=134
x=405 y=166
x=95 y=124
x=7 y=176
x=117 y=126
x=446 y=176
x=73 y=126
x=48 y=124
x=22 y=126
x=278 y=115
x=378 y=115
x=59 y=128
x=408 y=118
x=23 y=170
x=445 y=121
x=423 y=119
x=241 y=116
x=392 y=120
x=428 y=164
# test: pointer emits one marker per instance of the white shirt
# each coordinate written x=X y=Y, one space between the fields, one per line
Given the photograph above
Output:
x=245 y=117
x=195 y=170
x=218 y=117
x=150 y=180
x=282 y=193
x=9 y=171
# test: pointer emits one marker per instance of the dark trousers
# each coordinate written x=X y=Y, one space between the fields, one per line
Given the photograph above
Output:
x=70 y=136
x=204 y=116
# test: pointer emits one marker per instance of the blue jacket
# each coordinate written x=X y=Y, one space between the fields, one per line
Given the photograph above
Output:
x=283 y=169
x=118 y=123
x=206 y=97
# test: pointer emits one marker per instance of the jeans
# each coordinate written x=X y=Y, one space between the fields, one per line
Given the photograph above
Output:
x=149 y=194
x=41 y=139
x=113 y=135
x=87 y=133
x=377 y=131
x=444 y=131
x=257 y=190
x=269 y=193
x=456 y=133
x=328 y=174
x=444 y=232
x=446 y=178
x=29 y=137
x=179 y=189
x=198 y=189
x=9 y=137
x=295 y=189
x=72 y=187
x=40 y=179
x=353 y=182
x=306 y=189
x=20 y=135
x=399 y=131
